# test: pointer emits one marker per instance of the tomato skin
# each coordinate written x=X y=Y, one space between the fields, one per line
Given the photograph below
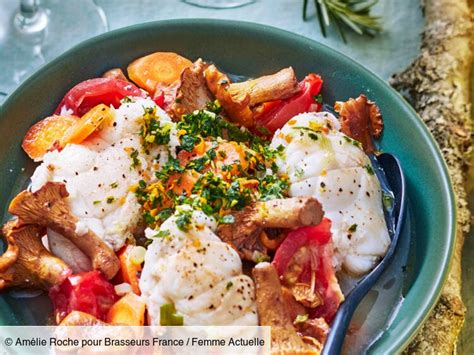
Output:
x=276 y=113
x=87 y=94
x=318 y=240
x=88 y=292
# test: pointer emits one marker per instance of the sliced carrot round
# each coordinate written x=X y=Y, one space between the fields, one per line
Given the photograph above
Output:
x=92 y=121
x=43 y=135
x=157 y=68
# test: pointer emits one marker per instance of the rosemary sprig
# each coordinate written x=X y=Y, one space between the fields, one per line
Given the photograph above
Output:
x=346 y=14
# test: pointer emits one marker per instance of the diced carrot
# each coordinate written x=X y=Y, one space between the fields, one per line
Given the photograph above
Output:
x=157 y=68
x=231 y=153
x=201 y=147
x=227 y=153
x=78 y=318
x=128 y=269
x=182 y=183
x=43 y=135
x=129 y=310
x=92 y=121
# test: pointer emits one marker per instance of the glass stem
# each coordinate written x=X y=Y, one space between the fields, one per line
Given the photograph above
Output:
x=30 y=18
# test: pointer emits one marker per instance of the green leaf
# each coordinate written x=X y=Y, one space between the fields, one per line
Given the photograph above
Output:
x=354 y=15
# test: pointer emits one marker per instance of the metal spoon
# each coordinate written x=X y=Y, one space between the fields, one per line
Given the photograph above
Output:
x=392 y=180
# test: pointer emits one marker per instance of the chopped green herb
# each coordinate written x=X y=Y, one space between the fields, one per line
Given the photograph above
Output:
x=220 y=187
x=299 y=172
x=353 y=228
x=214 y=106
x=183 y=220
x=97 y=202
x=114 y=185
x=152 y=131
x=300 y=318
x=135 y=160
x=353 y=141
x=162 y=234
x=188 y=142
x=264 y=130
x=369 y=169
x=165 y=214
x=229 y=285
x=309 y=129
x=273 y=187
x=110 y=199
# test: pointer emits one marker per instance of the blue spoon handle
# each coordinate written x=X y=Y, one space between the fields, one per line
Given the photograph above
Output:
x=341 y=322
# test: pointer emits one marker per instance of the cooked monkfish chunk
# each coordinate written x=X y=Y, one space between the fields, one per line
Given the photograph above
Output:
x=322 y=162
x=98 y=173
x=201 y=275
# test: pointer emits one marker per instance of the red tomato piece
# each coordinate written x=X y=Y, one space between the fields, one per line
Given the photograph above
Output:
x=307 y=251
x=165 y=95
x=276 y=113
x=88 y=94
x=88 y=292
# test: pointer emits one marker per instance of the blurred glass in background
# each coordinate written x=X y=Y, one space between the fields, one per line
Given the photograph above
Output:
x=32 y=32
x=219 y=4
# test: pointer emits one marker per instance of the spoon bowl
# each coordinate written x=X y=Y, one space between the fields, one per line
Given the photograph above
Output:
x=392 y=181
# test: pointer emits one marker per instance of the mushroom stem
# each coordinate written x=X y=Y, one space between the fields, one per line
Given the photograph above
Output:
x=289 y=212
x=244 y=233
x=278 y=86
x=48 y=207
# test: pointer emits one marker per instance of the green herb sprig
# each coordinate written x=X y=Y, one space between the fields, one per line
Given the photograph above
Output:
x=346 y=14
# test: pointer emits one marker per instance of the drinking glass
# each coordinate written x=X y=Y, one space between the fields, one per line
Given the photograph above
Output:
x=219 y=4
x=33 y=32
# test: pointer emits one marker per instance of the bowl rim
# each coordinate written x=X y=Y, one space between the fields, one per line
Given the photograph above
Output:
x=433 y=293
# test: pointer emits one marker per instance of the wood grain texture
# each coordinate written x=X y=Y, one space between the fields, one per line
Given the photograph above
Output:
x=438 y=85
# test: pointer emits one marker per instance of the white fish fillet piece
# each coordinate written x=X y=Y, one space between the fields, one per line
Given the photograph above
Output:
x=322 y=162
x=98 y=174
x=198 y=273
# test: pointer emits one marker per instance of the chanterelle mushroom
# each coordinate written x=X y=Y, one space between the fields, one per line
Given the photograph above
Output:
x=244 y=233
x=27 y=263
x=48 y=207
x=237 y=99
x=272 y=312
x=361 y=120
x=192 y=92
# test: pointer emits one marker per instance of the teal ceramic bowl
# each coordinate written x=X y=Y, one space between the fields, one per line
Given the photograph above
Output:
x=252 y=50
